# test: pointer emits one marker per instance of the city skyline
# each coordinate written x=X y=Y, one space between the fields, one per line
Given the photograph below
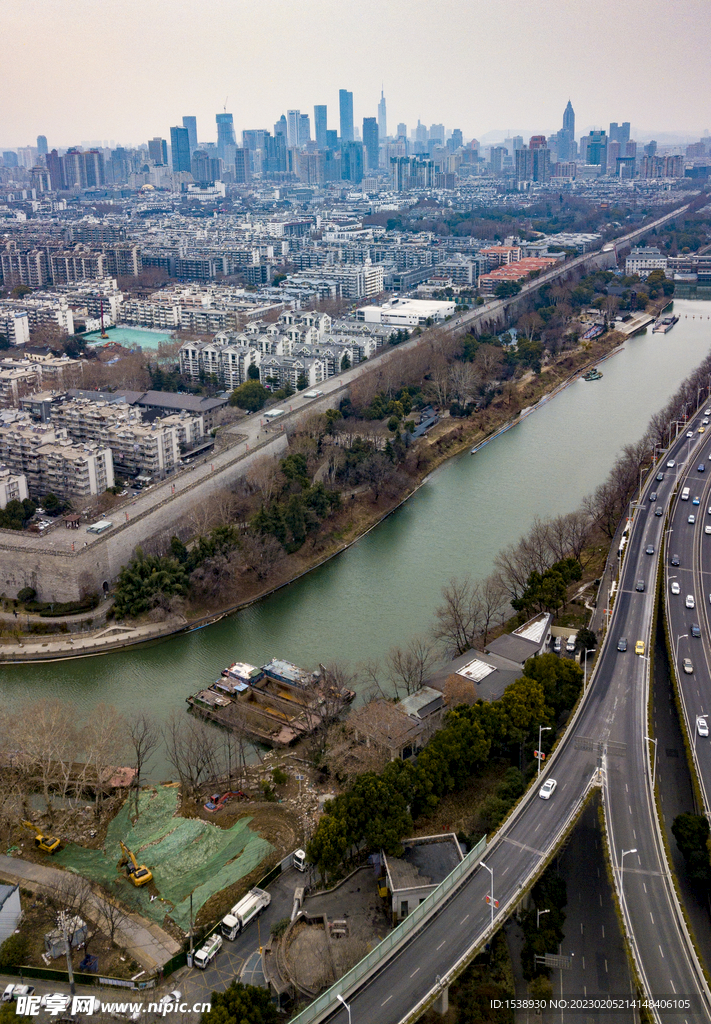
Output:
x=166 y=68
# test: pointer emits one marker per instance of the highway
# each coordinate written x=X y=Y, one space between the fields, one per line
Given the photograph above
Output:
x=609 y=733
x=692 y=545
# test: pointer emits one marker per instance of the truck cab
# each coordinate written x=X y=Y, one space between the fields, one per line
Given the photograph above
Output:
x=299 y=860
x=207 y=953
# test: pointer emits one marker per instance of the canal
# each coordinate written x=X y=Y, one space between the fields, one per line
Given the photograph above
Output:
x=384 y=589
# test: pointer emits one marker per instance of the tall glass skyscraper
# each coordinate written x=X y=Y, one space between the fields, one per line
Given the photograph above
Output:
x=180 y=148
x=190 y=123
x=370 y=141
x=225 y=133
x=382 y=117
x=320 y=125
x=42 y=145
x=345 y=103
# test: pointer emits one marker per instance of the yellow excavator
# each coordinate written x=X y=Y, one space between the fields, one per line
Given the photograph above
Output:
x=48 y=844
x=137 y=873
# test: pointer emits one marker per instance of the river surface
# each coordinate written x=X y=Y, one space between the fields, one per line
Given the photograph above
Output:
x=385 y=588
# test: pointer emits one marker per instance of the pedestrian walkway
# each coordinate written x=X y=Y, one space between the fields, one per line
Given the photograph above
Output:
x=79 y=645
x=148 y=944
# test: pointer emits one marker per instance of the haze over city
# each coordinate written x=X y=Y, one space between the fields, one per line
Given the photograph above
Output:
x=125 y=71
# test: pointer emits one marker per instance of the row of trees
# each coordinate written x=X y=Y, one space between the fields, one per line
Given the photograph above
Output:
x=377 y=809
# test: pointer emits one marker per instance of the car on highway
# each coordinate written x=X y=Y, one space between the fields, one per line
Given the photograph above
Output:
x=707 y=528
x=702 y=726
x=705 y=423
x=622 y=643
x=701 y=468
x=696 y=500
x=653 y=496
x=640 y=586
x=689 y=601
x=671 y=464
x=702 y=429
x=650 y=549
x=659 y=511
x=691 y=519
x=639 y=647
x=675 y=560
x=547 y=789
x=675 y=588
x=690 y=433
x=660 y=475
x=687 y=666
x=695 y=629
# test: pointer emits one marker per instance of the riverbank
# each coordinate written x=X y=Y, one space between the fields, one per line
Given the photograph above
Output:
x=447 y=439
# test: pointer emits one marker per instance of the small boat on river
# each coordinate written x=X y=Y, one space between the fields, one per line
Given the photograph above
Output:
x=592 y=374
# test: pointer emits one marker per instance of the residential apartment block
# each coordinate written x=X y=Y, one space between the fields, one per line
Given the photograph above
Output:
x=13 y=487
x=52 y=463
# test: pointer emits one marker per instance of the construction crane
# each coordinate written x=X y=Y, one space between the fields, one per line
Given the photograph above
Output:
x=48 y=844
x=137 y=873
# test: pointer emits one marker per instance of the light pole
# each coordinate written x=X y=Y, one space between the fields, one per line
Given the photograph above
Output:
x=622 y=867
x=538 y=916
x=491 y=899
x=682 y=636
x=696 y=727
x=654 y=765
x=340 y=999
x=541 y=729
x=585 y=670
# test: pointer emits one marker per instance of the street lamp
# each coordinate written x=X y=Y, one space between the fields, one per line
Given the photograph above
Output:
x=696 y=727
x=541 y=729
x=340 y=999
x=682 y=636
x=622 y=867
x=491 y=899
x=650 y=739
x=538 y=916
x=585 y=670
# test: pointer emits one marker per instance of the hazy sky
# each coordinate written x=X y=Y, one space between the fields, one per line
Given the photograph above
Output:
x=126 y=70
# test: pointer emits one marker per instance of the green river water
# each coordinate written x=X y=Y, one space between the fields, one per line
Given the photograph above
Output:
x=384 y=589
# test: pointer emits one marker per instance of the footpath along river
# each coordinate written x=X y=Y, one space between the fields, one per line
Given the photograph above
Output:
x=384 y=589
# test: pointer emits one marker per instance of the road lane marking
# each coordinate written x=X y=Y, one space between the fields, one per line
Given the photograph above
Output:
x=523 y=846
x=661 y=951
x=386 y=1001
x=603 y=930
x=417 y=969
x=652 y=916
x=442 y=944
x=461 y=922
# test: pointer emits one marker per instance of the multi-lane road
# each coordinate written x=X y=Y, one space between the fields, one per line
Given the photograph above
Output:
x=605 y=743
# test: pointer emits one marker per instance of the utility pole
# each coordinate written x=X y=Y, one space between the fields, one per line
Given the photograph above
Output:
x=67 y=950
x=191 y=929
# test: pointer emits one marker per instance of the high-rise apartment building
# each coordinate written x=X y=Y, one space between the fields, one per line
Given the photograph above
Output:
x=371 y=142
x=41 y=145
x=382 y=117
x=402 y=130
x=190 y=123
x=456 y=140
x=158 y=150
x=243 y=166
x=321 y=125
x=593 y=149
x=620 y=133
x=533 y=163
x=345 y=105
x=332 y=139
x=225 y=134
x=253 y=138
x=496 y=158
x=180 y=148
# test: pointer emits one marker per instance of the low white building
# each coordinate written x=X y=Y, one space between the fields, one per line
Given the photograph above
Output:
x=643 y=261
x=406 y=312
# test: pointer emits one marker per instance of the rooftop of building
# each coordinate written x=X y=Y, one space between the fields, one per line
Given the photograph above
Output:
x=425 y=861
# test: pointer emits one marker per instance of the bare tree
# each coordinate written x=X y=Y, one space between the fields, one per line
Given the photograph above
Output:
x=103 y=739
x=458 y=690
x=46 y=734
x=262 y=555
x=144 y=735
x=464 y=380
x=459 y=619
x=111 y=917
x=265 y=475
x=408 y=667
x=192 y=748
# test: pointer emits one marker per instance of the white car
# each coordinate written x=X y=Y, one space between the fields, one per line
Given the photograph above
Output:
x=691 y=519
x=671 y=464
x=675 y=588
x=690 y=433
x=547 y=789
x=702 y=727
x=689 y=601
x=570 y=645
x=171 y=1001
x=707 y=529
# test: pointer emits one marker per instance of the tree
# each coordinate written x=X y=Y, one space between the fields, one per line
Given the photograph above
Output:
x=505 y=289
x=144 y=735
x=102 y=740
x=250 y=396
x=111 y=917
x=586 y=639
x=345 y=362
x=241 y=1004
x=192 y=749
x=691 y=832
x=253 y=372
x=302 y=382
x=458 y=620
x=47 y=736
x=409 y=667
x=148 y=581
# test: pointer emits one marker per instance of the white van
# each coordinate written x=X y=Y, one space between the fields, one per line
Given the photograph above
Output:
x=685 y=494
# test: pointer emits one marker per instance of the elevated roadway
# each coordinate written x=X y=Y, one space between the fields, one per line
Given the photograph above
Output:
x=605 y=745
